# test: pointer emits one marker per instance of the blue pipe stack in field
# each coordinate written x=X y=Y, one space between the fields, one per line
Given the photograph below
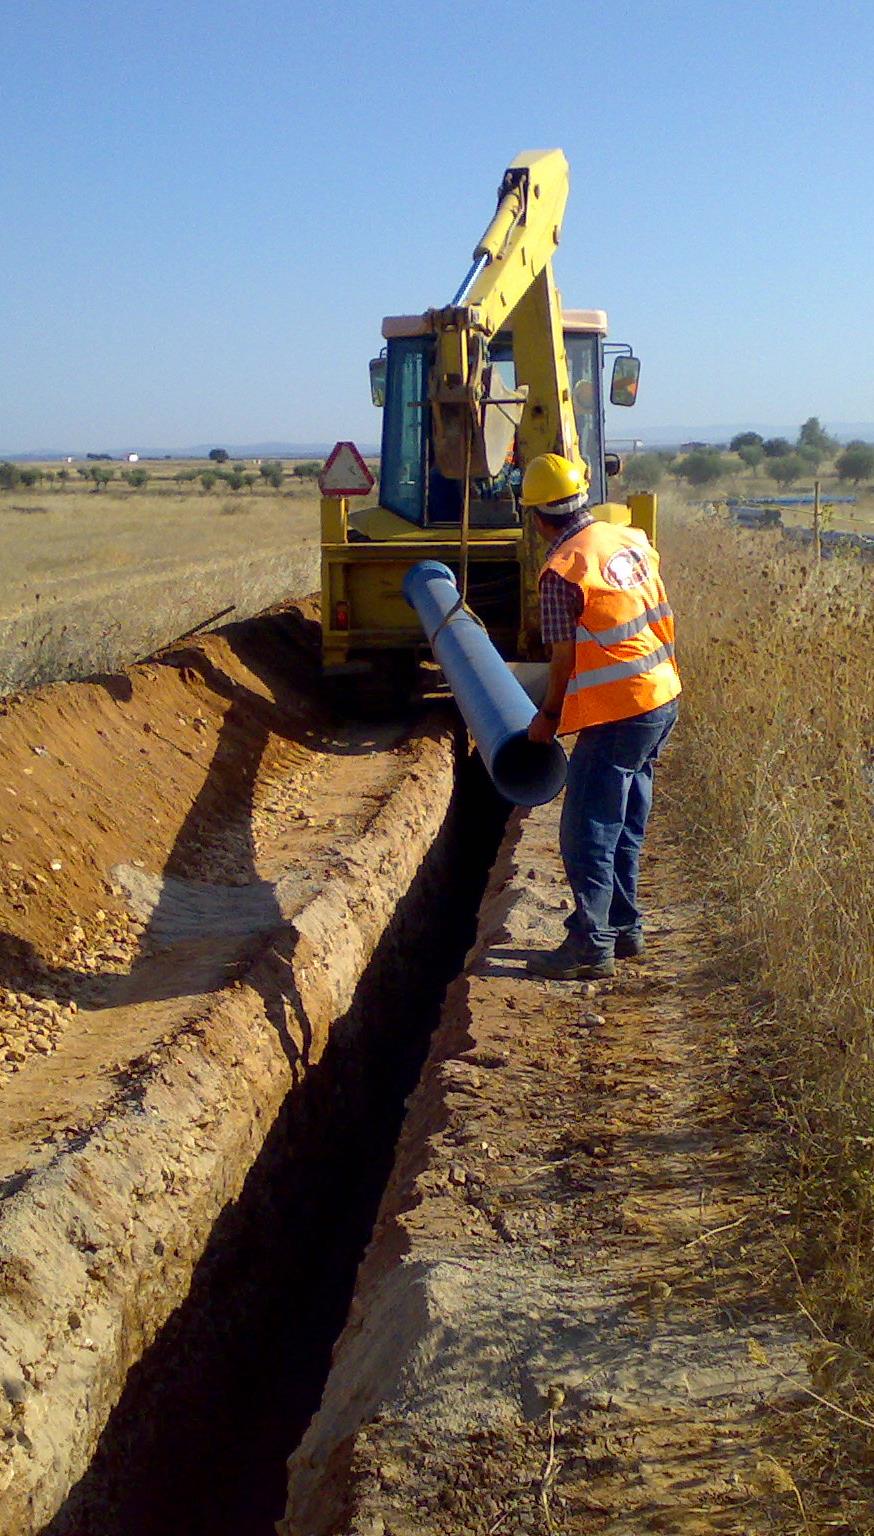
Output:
x=496 y=708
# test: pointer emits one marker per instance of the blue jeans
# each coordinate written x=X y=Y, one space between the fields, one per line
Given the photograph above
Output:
x=606 y=807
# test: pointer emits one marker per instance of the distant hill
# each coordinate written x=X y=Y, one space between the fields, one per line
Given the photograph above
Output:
x=651 y=437
x=272 y=450
x=199 y=451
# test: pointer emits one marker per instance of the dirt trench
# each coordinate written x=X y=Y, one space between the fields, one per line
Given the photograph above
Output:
x=227 y=926
x=566 y=1321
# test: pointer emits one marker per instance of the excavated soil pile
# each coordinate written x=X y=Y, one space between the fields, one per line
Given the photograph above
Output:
x=205 y=889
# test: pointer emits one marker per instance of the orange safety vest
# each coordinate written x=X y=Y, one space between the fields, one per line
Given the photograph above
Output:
x=624 y=661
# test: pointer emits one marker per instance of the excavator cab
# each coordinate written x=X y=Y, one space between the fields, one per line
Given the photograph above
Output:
x=412 y=484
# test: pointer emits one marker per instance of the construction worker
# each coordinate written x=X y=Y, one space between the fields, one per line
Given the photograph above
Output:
x=613 y=679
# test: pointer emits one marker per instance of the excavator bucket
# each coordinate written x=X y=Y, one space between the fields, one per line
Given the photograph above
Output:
x=491 y=422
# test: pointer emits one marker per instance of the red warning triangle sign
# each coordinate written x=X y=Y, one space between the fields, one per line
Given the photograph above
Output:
x=345 y=472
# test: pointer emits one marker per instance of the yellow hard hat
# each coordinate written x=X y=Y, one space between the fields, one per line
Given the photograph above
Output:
x=550 y=480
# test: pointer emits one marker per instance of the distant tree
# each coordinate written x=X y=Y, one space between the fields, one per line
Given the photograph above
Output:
x=776 y=447
x=234 y=479
x=856 y=462
x=814 y=435
x=219 y=455
x=788 y=468
x=745 y=440
x=308 y=469
x=185 y=476
x=271 y=471
x=136 y=478
x=10 y=476
x=101 y=476
x=812 y=455
x=701 y=467
x=751 y=454
x=250 y=480
x=643 y=471
x=208 y=479
x=63 y=474
x=31 y=477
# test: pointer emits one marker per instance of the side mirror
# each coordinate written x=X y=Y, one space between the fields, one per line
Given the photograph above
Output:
x=612 y=465
x=377 y=380
x=626 y=376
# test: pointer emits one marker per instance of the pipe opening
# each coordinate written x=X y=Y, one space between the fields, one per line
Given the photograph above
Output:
x=529 y=772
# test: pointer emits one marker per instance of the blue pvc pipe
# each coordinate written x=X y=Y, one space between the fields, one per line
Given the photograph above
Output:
x=496 y=708
x=790 y=501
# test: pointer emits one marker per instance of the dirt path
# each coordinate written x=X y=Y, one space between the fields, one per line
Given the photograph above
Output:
x=563 y=1322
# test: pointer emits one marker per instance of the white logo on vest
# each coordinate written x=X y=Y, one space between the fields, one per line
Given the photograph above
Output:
x=627 y=568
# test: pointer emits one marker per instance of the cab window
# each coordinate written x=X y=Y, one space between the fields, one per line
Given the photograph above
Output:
x=405 y=426
x=584 y=369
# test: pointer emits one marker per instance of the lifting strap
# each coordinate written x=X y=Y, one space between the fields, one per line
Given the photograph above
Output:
x=464 y=551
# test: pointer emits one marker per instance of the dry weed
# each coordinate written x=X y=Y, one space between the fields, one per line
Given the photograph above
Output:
x=775 y=773
x=103 y=579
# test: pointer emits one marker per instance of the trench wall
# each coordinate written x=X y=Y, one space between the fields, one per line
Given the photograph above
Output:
x=98 y=1248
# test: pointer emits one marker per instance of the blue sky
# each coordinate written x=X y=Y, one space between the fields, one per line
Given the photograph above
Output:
x=209 y=207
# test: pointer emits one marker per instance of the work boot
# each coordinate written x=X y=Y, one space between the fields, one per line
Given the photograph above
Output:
x=570 y=962
x=630 y=946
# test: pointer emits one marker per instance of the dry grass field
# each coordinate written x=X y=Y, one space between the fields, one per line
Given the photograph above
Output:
x=775 y=778
x=92 y=579
x=737 y=481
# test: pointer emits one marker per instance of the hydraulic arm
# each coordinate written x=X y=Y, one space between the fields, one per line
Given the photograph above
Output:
x=475 y=414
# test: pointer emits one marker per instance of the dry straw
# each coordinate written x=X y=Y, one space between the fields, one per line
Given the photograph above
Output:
x=773 y=775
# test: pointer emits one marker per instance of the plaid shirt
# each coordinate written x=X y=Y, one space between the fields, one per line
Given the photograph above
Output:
x=561 y=602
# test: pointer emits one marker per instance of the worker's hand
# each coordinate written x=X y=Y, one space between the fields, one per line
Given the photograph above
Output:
x=542 y=728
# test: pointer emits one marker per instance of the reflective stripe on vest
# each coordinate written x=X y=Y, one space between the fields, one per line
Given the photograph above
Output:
x=594 y=677
x=605 y=637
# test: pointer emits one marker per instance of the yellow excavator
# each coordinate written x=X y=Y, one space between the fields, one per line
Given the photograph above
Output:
x=470 y=394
